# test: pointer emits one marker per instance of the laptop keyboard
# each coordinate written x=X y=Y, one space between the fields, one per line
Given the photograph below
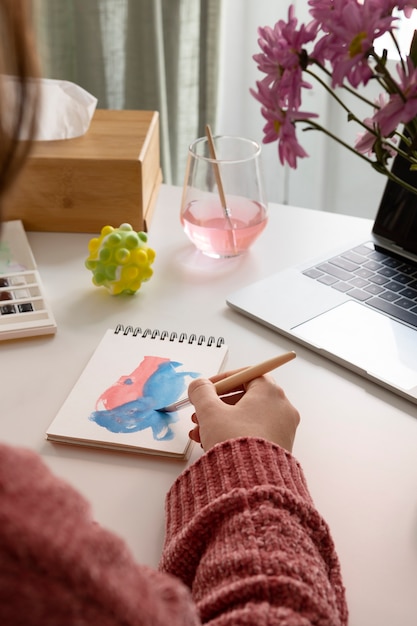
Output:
x=378 y=280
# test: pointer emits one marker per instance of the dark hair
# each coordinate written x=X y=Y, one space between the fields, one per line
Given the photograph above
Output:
x=18 y=90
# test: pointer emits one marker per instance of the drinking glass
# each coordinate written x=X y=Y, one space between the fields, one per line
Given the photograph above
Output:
x=223 y=208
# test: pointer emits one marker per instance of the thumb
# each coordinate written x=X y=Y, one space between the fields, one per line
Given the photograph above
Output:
x=202 y=393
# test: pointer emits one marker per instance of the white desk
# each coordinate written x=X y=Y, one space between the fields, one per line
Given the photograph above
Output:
x=356 y=442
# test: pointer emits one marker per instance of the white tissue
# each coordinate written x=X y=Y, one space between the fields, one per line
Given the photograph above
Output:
x=66 y=109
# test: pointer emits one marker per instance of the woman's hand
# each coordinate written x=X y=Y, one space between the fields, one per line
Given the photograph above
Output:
x=261 y=409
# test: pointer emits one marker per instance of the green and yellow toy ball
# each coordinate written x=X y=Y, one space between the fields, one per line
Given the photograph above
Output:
x=120 y=259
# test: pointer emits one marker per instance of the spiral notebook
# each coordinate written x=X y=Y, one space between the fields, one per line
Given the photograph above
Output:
x=130 y=375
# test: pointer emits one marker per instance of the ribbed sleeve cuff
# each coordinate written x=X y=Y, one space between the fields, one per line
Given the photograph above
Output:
x=242 y=463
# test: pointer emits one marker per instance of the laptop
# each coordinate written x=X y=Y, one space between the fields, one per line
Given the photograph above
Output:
x=356 y=306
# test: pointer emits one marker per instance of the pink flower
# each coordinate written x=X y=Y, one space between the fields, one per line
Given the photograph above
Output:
x=288 y=147
x=385 y=7
x=351 y=29
x=280 y=60
x=281 y=125
x=337 y=43
x=365 y=141
x=322 y=10
x=406 y=5
x=401 y=107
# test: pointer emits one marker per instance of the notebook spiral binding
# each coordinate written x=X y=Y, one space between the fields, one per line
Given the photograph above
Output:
x=170 y=336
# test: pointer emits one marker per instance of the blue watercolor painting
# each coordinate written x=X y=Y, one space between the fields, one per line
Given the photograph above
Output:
x=130 y=405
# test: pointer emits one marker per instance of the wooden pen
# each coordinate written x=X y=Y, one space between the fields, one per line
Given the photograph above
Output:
x=228 y=384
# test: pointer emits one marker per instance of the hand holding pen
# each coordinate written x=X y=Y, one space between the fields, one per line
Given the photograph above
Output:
x=260 y=410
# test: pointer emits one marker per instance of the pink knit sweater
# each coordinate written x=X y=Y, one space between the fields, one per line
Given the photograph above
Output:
x=244 y=544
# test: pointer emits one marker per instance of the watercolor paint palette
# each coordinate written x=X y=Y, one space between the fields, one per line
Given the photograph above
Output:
x=24 y=311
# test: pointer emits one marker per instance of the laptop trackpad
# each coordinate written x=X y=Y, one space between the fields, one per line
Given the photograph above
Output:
x=370 y=341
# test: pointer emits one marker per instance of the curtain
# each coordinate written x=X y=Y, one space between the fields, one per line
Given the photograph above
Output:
x=158 y=55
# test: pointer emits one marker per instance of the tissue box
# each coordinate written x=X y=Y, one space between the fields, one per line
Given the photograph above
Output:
x=110 y=175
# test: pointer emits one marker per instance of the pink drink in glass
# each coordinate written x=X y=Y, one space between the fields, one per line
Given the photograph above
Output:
x=217 y=235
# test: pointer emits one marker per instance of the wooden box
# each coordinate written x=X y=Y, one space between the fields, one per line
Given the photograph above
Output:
x=110 y=175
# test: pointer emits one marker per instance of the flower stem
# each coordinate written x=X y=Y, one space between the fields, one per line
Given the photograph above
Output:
x=311 y=125
x=397 y=47
x=377 y=165
x=343 y=86
x=389 y=174
x=351 y=116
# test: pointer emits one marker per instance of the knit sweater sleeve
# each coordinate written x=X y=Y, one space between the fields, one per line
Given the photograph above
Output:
x=244 y=535
x=59 y=567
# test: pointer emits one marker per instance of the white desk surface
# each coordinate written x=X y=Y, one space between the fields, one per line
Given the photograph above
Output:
x=357 y=442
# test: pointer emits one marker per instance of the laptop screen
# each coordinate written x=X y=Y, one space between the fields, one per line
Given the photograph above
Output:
x=396 y=219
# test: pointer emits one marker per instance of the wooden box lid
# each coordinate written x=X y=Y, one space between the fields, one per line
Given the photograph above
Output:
x=110 y=175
